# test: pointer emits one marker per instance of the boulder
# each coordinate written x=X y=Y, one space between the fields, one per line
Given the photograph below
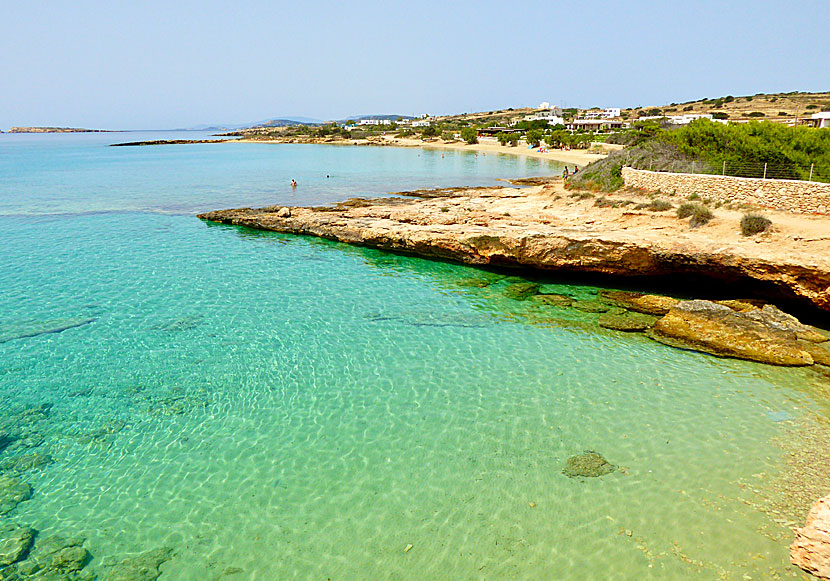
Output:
x=716 y=329
x=13 y=491
x=284 y=212
x=811 y=548
x=589 y=464
x=15 y=542
x=774 y=317
x=628 y=323
x=743 y=305
x=639 y=302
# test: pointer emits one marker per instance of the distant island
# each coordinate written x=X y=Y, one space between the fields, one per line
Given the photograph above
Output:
x=57 y=130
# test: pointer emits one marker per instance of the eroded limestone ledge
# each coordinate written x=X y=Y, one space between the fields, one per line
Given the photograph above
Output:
x=544 y=227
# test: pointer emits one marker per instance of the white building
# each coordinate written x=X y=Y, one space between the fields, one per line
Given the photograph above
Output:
x=611 y=112
x=553 y=115
x=421 y=123
x=375 y=122
x=686 y=119
x=821 y=119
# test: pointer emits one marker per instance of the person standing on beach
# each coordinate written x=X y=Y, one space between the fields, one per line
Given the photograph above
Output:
x=565 y=173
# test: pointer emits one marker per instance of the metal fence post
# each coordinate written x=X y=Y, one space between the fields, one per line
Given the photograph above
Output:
x=723 y=173
x=811 y=171
x=765 y=170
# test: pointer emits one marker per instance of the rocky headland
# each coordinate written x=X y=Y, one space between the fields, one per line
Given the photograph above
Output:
x=56 y=130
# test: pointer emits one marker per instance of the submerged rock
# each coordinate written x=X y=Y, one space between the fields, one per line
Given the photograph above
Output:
x=57 y=557
x=591 y=306
x=716 y=329
x=589 y=464
x=143 y=567
x=24 y=463
x=521 y=290
x=639 y=302
x=15 y=541
x=13 y=491
x=628 y=323
x=476 y=282
x=811 y=548
x=555 y=300
x=819 y=353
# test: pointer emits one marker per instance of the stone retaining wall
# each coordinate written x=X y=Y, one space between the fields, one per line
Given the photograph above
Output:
x=788 y=195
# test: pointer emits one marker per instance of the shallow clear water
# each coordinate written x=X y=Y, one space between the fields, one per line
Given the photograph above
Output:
x=295 y=408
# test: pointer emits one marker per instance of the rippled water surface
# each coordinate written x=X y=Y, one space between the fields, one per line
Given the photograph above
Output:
x=277 y=407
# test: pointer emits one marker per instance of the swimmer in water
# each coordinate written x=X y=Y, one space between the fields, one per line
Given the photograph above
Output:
x=293 y=183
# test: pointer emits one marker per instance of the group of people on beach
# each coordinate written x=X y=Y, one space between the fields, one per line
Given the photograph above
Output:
x=566 y=174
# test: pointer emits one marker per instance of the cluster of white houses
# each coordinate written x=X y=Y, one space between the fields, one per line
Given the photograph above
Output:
x=593 y=120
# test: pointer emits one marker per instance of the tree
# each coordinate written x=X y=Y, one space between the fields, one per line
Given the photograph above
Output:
x=469 y=135
x=431 y=131
x=533 y=137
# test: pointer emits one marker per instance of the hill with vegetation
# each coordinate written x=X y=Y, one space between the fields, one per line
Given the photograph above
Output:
x=742 y=149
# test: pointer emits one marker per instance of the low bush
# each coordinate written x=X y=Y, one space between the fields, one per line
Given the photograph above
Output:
x=657 y=206
x=752 y=224
x=698 y=213
x=755 y=114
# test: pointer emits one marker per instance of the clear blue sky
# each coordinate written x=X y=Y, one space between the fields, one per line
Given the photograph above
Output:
x=166 y=64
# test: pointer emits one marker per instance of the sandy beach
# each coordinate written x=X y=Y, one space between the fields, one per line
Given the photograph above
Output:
x=490 y=145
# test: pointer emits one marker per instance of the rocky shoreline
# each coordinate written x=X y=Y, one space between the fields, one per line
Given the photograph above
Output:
x=547 y=228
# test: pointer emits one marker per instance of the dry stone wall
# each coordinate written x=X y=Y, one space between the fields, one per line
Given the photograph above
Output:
x=789 y=195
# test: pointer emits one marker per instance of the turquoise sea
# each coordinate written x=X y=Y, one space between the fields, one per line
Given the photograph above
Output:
x=279 y=407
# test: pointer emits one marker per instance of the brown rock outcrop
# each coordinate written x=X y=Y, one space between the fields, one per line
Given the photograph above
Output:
x=716 y=329
x=811 y=548
x=641 y=303
x=535 y=227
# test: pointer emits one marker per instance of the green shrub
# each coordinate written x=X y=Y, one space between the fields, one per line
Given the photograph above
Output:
x=603 y=202
x=783 y=114
x=659 y=206
x=755 y=114
x=752 y=224
x=698 y=213
x=693 y=197
x=811 y=107
x=720 y=115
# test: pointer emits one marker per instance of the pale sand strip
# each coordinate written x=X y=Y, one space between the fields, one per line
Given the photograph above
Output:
x=576 y=157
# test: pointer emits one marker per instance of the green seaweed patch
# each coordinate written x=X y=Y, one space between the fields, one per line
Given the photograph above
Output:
x=521 y=291
x=588 y=464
